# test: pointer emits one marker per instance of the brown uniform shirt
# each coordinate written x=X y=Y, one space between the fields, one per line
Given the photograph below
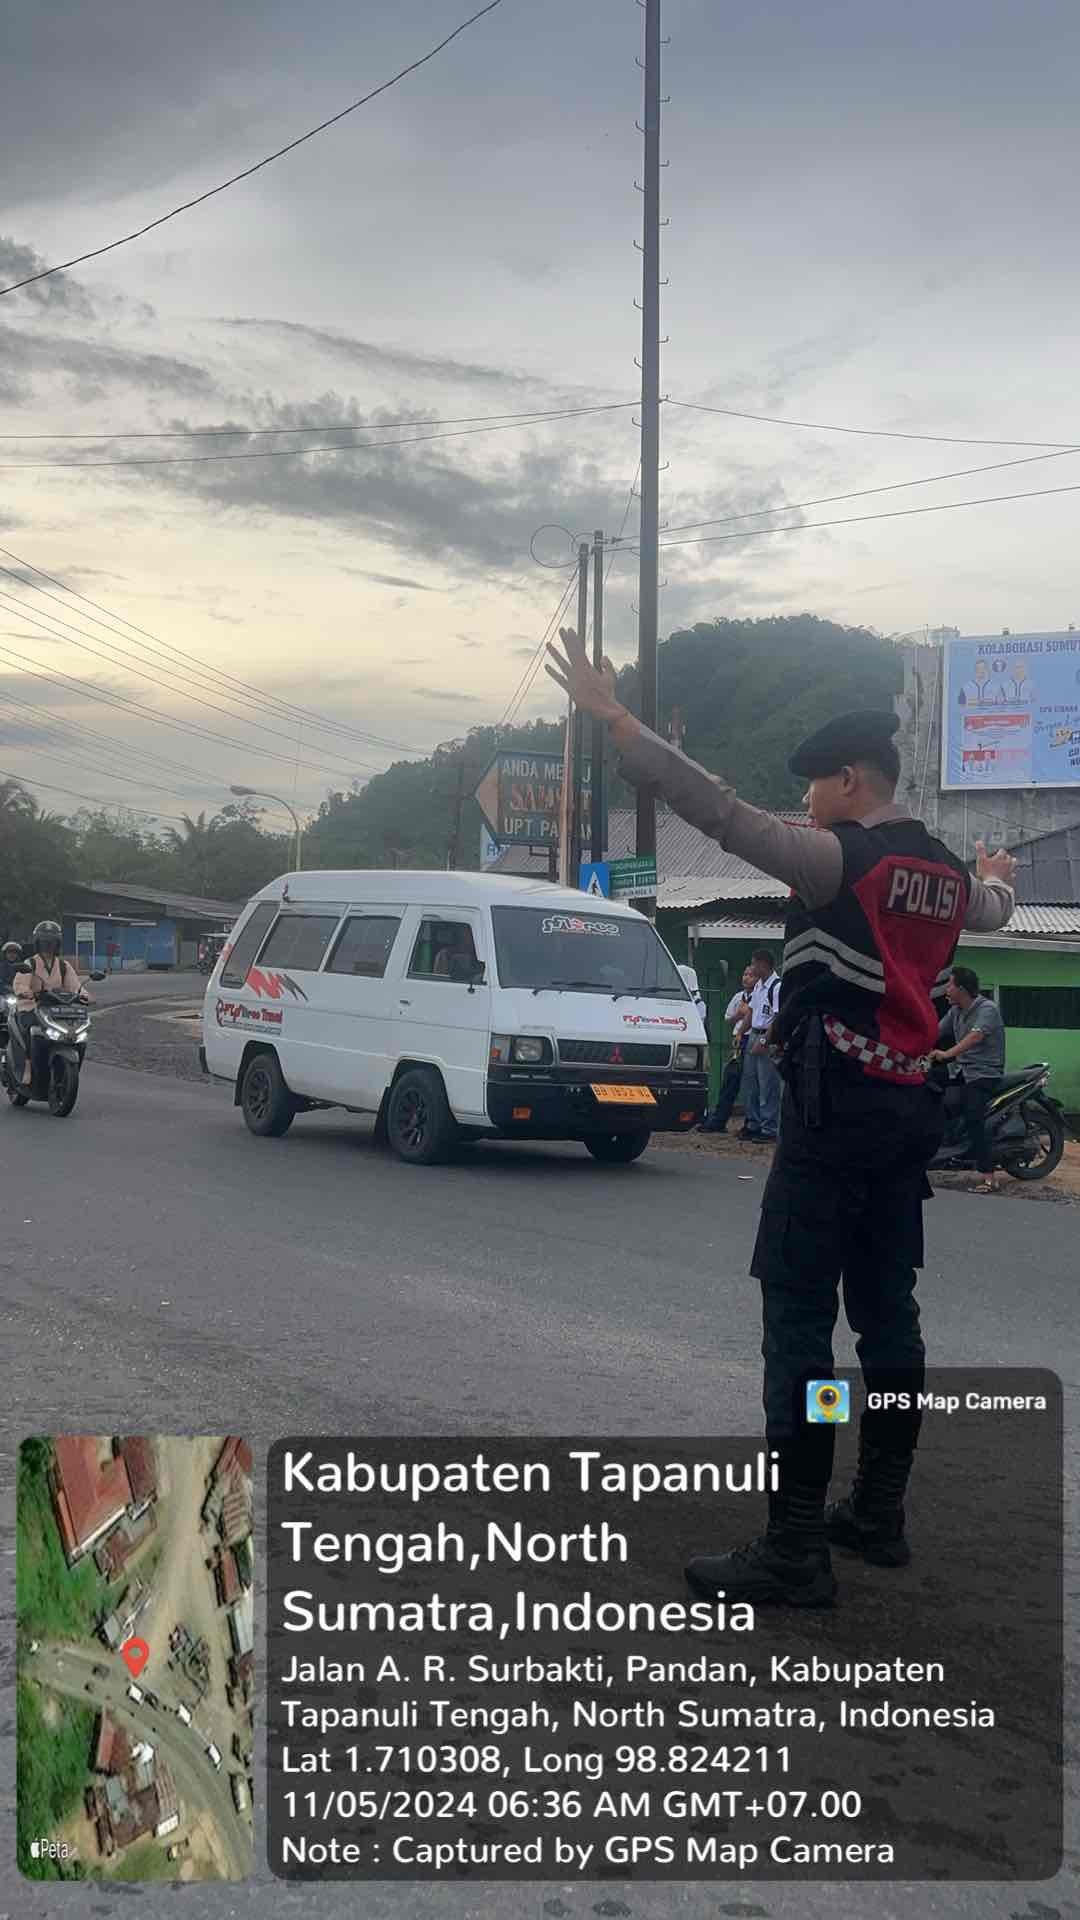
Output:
x=808 y=860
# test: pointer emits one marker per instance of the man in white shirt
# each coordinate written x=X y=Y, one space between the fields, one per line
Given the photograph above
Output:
x=763 y=1085
x=737 y=1015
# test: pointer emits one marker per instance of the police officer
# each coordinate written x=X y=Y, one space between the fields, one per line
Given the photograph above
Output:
x=877 y=906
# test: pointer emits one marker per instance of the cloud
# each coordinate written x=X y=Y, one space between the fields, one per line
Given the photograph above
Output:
x=394 y=362
x=448 y=694
x=93 y=366
x=58 y=294
x=391 y=580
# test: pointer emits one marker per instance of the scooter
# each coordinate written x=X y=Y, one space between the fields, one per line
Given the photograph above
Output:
x=1025 y=1126
x=58 y=1032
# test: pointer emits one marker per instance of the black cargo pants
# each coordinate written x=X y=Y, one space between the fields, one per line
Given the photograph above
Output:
x=843 y=1207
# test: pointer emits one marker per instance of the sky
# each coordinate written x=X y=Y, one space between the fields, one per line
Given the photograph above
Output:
x=871 y=225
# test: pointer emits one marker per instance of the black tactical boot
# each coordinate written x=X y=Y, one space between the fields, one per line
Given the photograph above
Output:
x=871 y=1520
x=788 y=1565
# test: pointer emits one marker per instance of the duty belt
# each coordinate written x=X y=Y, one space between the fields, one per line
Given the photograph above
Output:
x=873 y=1053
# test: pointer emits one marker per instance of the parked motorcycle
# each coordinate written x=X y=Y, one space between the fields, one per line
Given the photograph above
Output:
x=1025 y=1126
x=57 y=1034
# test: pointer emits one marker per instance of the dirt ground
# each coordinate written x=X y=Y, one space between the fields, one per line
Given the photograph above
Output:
x=1062 y=1185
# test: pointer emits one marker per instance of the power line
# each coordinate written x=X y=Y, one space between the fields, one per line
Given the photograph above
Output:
x=871 y=433
x=864 y=493
x=530 y=671
x=861 y=519
x=290 y=453
x=247 y=172
x=46 y=752
x=122 y=657
x=285 y=708
x=338 y=426
x=105 y=746
x=93 y=799
x=93 y=692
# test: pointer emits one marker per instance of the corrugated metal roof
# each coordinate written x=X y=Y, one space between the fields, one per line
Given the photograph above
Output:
x=1028 y=922
x=1029 y=918
x=1048 y=867
x=694 y=892
x=162 y=898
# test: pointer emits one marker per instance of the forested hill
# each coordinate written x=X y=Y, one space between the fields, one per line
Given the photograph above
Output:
x=747 y=692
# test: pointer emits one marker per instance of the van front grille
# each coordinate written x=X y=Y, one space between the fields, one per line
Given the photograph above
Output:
x=613 y=1053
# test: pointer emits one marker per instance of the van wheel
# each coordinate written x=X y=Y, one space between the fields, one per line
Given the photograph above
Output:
x=419 y=1125
x=618 y=1149
x=268 y=1106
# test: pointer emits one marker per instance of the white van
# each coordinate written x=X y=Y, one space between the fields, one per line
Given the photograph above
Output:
x=455 y=1006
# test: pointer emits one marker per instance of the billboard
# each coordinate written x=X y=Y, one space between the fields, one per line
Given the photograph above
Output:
x=1010 y=711
x=520 y=798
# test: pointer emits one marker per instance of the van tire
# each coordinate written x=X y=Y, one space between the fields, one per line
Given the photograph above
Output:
x=618 y=1149
x=419 y=1124
x=268 y=1107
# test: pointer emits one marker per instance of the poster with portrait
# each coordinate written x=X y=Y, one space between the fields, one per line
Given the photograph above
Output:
x=1011 y=711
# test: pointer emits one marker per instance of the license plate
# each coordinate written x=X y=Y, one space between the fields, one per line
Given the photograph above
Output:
x=625 y=1096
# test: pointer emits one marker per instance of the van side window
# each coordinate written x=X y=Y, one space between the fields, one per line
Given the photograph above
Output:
x=248 y=942
x=364 y=944
x=299 y=940
x=444 y=950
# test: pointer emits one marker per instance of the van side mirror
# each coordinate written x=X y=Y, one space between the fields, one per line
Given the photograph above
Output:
x=468 y=972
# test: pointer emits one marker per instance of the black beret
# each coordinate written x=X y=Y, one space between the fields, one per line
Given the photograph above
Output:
x=850 y=737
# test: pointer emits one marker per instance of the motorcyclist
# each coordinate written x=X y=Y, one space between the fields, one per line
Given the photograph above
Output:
x=11 y=962
x=46 y=971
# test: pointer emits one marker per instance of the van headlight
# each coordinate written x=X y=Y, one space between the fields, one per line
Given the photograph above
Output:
x=524 y=1049
x=690 y=1059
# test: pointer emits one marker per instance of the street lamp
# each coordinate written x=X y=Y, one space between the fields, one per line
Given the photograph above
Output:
x=256 y=793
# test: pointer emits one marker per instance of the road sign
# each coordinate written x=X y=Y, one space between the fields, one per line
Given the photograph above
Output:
x=633 y=879
x=596 y=878
x=489 y=848
x=520 y=797
x=84 y=933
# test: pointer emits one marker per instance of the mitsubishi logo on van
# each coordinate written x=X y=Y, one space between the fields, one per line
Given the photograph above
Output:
x=273 y=985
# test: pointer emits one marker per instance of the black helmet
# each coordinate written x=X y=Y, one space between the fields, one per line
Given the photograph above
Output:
x=12 y=946
x=47 y=933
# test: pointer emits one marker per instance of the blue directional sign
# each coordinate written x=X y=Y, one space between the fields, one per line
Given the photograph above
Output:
x=595 y=878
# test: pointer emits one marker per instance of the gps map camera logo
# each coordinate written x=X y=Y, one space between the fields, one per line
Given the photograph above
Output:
x=828 y=1402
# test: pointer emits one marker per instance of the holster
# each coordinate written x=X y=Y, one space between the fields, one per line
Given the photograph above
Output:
x=802 y=1065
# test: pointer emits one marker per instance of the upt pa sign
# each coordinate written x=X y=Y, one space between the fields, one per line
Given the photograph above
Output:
x=520 y=797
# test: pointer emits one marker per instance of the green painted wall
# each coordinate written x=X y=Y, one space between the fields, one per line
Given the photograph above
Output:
x=720 y=964
x=1008 y=967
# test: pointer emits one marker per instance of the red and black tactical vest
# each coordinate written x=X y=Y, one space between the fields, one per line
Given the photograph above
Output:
x=878 y=956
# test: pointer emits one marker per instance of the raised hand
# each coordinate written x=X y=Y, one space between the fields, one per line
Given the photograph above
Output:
x=994 y=866
x=571 y=670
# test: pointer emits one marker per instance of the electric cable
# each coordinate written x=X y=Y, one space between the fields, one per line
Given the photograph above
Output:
x=95 y=252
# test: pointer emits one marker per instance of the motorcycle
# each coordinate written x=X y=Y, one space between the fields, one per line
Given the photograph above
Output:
x=57 y=1034
x=1025 y=1126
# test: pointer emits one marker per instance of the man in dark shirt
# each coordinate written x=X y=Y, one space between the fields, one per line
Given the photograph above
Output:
x=971 y=1042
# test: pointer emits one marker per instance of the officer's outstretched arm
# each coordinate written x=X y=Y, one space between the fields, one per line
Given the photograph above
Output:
x=810 y=862
x=807 y=861
x=992 y=897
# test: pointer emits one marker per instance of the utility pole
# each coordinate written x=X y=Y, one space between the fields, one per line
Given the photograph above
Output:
x=577 y=814
x=454 y=850
x=648 y=574
x=598 y=836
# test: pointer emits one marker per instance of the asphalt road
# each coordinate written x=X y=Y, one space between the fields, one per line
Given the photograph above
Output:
x=70 y=1670
x=163 y=1269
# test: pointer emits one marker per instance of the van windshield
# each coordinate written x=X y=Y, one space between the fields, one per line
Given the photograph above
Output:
x=587 y=952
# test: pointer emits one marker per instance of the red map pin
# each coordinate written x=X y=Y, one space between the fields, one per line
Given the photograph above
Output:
x=135 y=1653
